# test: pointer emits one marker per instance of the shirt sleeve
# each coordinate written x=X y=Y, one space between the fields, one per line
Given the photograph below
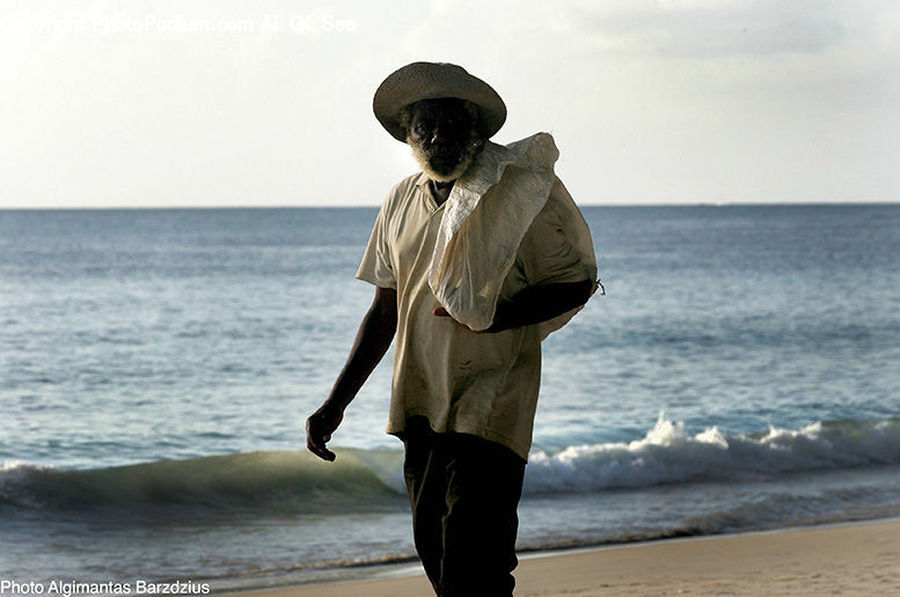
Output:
x=557 y=246
x=376 y=267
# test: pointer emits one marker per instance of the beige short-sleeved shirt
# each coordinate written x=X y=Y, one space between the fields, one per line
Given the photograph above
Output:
x=483 y=384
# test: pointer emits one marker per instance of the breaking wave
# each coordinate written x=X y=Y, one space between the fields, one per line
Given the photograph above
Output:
x=283 y=481
x=366 y=480
x=670 y=454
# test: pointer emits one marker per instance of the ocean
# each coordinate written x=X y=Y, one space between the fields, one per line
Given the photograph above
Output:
x=741 y=373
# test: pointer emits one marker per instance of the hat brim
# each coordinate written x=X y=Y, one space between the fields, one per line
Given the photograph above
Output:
x=428 y=80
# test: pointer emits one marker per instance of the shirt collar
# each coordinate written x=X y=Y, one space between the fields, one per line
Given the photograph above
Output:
x=425 y=192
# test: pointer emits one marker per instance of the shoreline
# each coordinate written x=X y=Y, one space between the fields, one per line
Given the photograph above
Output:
x=201 y=207
x=856 y=558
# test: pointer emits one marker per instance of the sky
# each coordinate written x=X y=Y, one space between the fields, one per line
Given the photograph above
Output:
x=268 y=103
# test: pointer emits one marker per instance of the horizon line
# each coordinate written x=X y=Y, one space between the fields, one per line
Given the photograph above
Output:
x=375 y=206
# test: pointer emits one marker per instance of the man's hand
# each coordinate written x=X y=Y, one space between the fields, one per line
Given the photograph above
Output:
x=372 y=340
x=441 y=312
x=319 y=427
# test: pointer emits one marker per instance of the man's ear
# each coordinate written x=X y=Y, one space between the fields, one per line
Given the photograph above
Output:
x=404 y=117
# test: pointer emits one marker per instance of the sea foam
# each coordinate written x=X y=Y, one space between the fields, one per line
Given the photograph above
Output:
x=670 y=454
x=363 y=480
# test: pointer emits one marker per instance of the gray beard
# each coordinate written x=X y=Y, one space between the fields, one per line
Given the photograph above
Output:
x=462 y=164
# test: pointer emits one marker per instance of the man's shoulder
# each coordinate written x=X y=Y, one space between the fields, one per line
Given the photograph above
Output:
x=407 y=185
x=401 y=192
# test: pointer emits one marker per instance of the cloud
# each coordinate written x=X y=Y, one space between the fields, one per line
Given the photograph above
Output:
x=712 y=29
x=649 y=101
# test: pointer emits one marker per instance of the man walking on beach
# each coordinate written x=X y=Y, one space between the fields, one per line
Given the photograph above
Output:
x=474 y=261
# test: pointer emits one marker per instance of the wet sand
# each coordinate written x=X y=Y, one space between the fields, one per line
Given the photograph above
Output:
x=858 y=559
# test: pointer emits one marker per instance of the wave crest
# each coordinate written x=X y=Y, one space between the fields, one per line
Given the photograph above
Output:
x=293 y=481
x=669 y=454
x=369 y=480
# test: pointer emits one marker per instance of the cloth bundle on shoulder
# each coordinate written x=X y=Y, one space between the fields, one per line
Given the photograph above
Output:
x=485 y=218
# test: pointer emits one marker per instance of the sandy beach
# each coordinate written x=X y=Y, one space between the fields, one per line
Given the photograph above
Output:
x=858 y=559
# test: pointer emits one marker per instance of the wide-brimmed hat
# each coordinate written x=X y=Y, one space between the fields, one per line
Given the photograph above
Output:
x=434 y=80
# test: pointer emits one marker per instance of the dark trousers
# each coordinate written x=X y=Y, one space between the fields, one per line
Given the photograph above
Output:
x=464 y=491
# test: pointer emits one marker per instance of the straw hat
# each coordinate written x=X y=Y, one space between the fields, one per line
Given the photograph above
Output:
x=430 y=80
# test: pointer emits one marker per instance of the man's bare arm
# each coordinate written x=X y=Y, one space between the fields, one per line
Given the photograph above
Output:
x=535 y=304
x=373 y=339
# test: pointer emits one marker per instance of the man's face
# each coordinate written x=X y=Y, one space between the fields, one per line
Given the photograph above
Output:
x=444 y=137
